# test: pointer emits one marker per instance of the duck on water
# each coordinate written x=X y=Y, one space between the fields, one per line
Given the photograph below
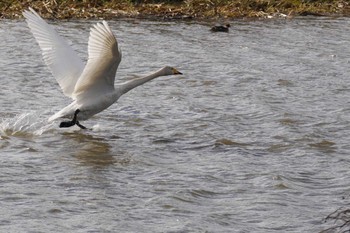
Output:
x=220 y=28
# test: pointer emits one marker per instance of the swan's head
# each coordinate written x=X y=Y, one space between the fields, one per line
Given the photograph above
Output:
x=167 y=70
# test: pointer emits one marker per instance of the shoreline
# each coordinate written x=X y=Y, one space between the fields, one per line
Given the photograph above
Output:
x=176 y=9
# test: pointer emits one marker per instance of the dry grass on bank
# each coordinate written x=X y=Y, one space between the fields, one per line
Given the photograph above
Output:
x=182 y=9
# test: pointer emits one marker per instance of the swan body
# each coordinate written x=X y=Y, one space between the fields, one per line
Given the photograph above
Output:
x=90 y=86
x=91 y=105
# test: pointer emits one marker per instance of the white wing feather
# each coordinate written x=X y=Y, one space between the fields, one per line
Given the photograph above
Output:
x=104 y=58
x=62 y=61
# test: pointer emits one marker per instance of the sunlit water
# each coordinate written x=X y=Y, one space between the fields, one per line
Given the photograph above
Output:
x=254 y=137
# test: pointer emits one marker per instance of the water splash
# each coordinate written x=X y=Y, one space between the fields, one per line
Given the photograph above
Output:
x=25 y=124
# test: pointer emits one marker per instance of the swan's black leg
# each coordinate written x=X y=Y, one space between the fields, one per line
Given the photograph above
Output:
x=66 y=124
x=81 y=126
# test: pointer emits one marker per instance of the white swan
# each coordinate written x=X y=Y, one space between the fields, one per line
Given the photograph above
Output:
x=91 y=86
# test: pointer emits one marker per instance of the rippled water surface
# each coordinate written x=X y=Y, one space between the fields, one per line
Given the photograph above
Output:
x=254 y=137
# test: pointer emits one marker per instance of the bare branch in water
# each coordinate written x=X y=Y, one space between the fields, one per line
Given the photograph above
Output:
x=341 y=218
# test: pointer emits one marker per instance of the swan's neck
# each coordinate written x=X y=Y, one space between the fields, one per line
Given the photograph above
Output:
x=125 y=87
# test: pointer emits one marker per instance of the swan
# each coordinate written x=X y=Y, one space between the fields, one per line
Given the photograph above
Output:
x=91 y=86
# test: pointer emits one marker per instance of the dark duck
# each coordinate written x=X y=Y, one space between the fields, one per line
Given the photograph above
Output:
x=220 y=28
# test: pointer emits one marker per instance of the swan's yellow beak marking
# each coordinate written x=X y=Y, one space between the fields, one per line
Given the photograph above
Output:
x=175 y=71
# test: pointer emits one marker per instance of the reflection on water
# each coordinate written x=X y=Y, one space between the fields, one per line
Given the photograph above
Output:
x=252 y=138
x=93 y=150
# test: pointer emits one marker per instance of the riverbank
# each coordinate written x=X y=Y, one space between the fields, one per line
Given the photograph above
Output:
x=175 y=9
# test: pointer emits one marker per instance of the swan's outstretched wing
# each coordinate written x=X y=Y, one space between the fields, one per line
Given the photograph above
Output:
x=63 y=62
x=104 y=58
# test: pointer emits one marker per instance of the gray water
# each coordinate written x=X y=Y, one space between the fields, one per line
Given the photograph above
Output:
x=254 y=137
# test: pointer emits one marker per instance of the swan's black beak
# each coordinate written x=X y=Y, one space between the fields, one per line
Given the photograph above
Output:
x=175 y=71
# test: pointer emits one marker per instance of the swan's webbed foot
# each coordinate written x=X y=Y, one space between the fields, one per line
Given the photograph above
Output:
x=66 y=124
x=74 y=121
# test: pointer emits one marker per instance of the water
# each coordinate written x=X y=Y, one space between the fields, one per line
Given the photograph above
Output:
x=254 y=137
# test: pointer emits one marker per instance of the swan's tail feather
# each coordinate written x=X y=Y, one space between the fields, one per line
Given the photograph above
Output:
x=54 y=117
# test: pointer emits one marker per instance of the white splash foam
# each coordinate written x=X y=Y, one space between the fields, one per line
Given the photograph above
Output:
x=26 y=123
x=97 y=128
